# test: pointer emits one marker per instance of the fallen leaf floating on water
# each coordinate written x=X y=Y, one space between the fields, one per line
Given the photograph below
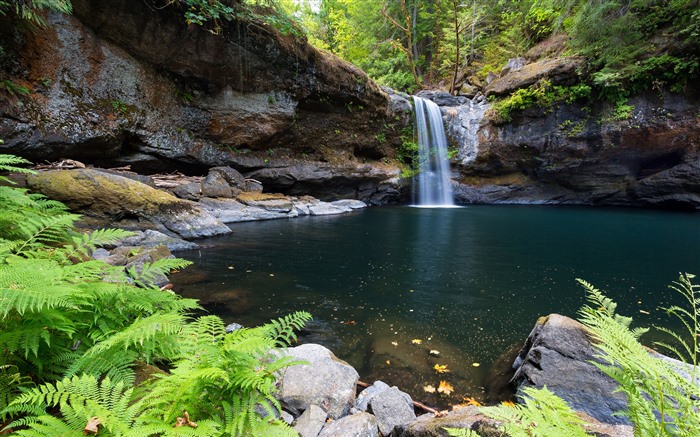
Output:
x=476 y=364
x=416 y=341
x=184 y=421
x=394 y=343
x=644 y=312
x=388 y=362
x=92 y=426
x=471 y=401
x=429 y=389
x=439 y=368
x=445 y=388
x=434 y=353
x=510 y=404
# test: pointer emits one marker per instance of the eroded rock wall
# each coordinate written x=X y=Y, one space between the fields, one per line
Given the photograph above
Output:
x=125 y=83
x=580 y=154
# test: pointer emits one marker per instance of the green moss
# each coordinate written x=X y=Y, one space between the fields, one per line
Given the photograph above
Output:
x=543 y=95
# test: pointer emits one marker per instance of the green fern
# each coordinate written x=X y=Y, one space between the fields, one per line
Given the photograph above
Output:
x=543 y=414
x=461 y=432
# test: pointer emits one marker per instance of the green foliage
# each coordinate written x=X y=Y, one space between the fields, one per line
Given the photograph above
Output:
x=12 y=88
x=460 y=432
x=543 y=94
x=407 y=153
x=543 y=414
x=72 y=328
x=662 y=395
x=661 y=401
x=34 y=10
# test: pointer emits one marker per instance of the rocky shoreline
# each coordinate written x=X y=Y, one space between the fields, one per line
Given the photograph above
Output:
x=192 y=209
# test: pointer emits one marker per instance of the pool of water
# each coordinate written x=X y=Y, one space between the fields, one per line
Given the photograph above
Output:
x=387 y=286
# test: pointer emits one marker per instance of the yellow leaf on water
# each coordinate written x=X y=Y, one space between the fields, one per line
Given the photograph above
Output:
x=394 y=343
x=429 y=389
x=388 y=362
x=416 y=341
x=508 y=404
x=439 y=368
x=471 y=401
x=476 y=364
x=434 y=353
x=445 y=388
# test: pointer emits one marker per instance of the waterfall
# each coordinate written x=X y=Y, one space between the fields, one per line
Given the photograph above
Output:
x=431 y=187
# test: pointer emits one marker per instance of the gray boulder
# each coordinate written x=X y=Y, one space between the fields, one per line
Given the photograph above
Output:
x=215 y=185
x=310 y=423
x=357 y=425
x=366 y=395
x=442 y=98
x=324 y=208
x=152 y=238
x=349 y=204
x=558 y=354
x=234 y=179
x=392 y=408
x=326 y=381
x=189 y=191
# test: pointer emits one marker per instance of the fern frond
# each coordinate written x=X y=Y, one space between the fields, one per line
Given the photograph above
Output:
x=146 y=274
x=149 y=335
x=543 y=414
x=49 y=426
x=114 y=364
x=45 y=230
x=34 y=285
x=282 y=329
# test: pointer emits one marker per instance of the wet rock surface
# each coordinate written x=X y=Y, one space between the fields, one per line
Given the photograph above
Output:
x=558 y=354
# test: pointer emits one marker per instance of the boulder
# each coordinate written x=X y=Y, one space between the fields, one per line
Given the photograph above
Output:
x=326 y=381
x=366 y=395
x=560 y=71
x=558 y=354
x=114 y=198
x=233 y=211
x=392 y=408
x=442 y=98
x=513 y=64
x=310 y=423
x=234 y=179
x=253 y=186
x=357 y=425
x=189 y=191
x=324 y=208
x=151 y=238
x=215 y=185
x=349 y=204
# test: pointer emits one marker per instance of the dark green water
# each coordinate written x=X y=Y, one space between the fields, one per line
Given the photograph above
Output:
x=468 y=282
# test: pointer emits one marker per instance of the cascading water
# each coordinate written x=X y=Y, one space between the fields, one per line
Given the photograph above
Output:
x=431 y=187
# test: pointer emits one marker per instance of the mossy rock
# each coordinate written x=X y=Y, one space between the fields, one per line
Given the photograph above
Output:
x=106 y=195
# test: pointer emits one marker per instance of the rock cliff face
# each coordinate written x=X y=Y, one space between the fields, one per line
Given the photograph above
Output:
x=121 y=82
x=579 y=155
